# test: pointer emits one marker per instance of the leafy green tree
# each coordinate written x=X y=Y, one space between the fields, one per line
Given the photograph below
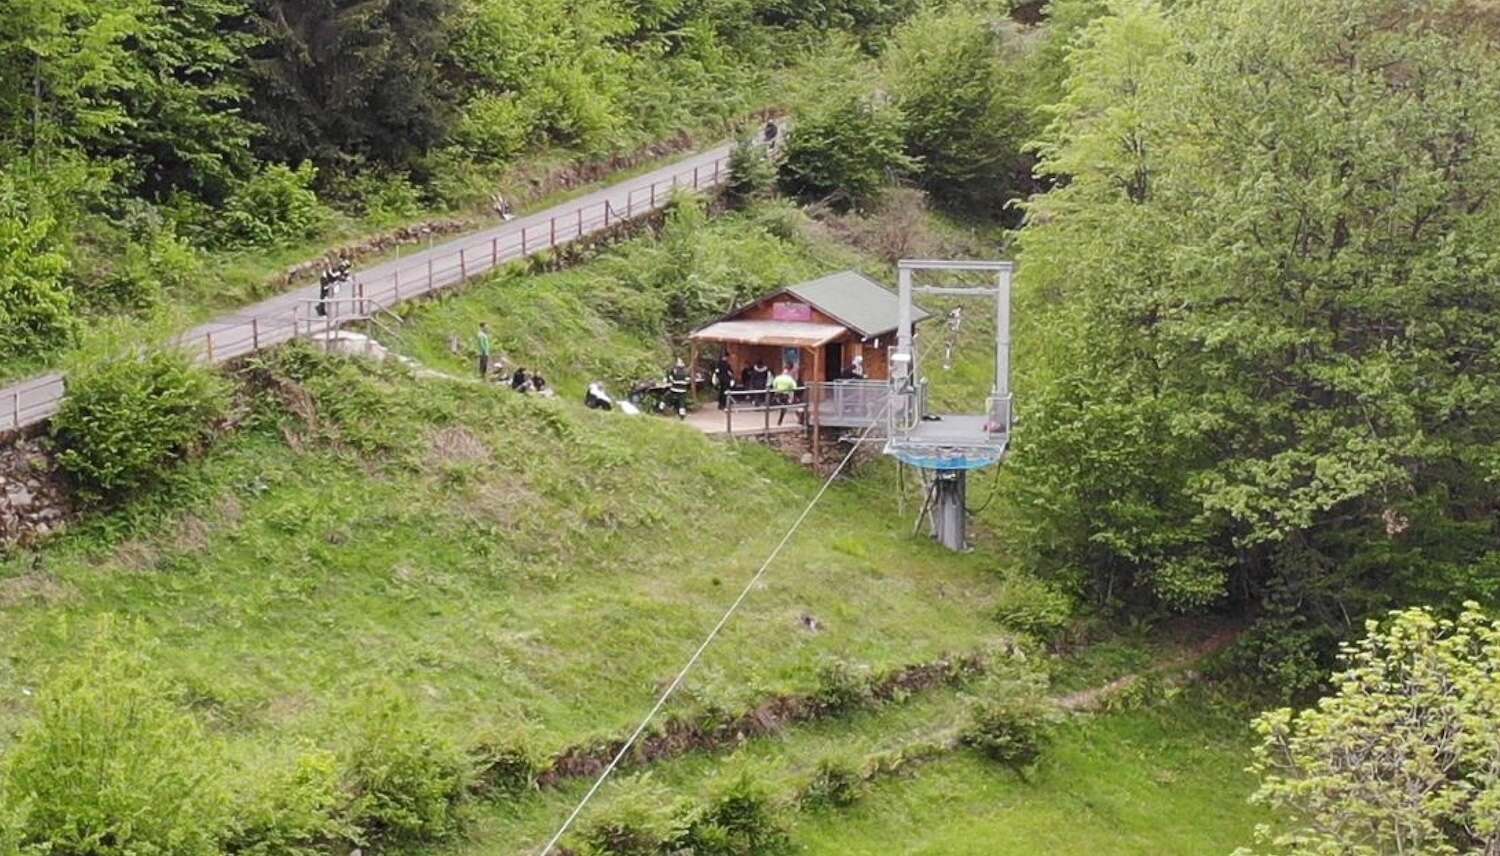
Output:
x=36 y=306
x=1263 y=309
x=844 y=149
x=964 y=122
x=342 y=82
x=751 y=174
x=150 y=88
x=1404 y=756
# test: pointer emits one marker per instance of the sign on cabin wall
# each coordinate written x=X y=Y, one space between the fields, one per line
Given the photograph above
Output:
x=791 y=312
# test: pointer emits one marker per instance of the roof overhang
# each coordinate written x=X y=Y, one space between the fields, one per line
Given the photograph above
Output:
x=785 y=334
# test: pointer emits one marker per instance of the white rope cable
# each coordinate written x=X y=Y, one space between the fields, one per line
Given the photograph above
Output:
x=693 y=660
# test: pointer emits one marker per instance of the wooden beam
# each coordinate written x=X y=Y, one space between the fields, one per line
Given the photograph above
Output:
x=817 y=409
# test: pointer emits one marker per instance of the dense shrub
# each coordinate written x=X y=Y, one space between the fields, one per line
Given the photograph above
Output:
x=1032 y=606
x=110 y=767
x=124 y=419
x=495 y=127
x=740 y=820
x=842 y=686
x=844 y=150
x=751 y=174
x=642 y=820
x=835 y=784
x=508 y=765
x=1012 y=725
x=295 y=809
x=36 y=308
x=405 y=776
x=278 y=204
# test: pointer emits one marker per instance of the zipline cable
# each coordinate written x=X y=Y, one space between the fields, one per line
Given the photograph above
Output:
x=712 y=634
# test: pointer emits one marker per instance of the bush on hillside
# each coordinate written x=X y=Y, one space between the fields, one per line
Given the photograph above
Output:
x=1029 y=605
x=296 y=809
x=844 y=151
x=278 y=204
x=407 y=778
x=642 y=820
x=842 y=686
x=110 y=767
x=125 y=419
x=752 y=176
x=740 y=820
x=835 y=784
x=36 y=308
x=1012 y=726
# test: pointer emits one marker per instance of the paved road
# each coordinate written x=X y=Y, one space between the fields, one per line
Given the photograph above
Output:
x=449 y=262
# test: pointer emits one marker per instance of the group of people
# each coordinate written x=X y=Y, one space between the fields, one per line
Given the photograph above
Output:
x=521 y=380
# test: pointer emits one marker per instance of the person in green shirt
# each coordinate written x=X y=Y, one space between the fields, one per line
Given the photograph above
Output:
x=484 y=350
x=784 y=389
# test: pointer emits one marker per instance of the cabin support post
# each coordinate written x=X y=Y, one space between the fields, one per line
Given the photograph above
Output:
x=693 y=370
x=817 y=411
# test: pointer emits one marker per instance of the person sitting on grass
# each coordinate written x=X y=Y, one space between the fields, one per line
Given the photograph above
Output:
x=520 y=381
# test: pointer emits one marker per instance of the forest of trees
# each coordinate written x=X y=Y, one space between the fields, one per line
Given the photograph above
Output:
x=1265 y=307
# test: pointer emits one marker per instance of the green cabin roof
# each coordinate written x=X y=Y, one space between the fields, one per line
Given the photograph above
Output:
x=855 y=301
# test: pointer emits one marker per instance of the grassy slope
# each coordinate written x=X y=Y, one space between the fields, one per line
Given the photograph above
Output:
x=1166 y=779
x=1158 y=781
x=513 y=561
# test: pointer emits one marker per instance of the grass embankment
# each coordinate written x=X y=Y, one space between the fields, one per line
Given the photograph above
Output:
x=1166 y=778
x=508 y=560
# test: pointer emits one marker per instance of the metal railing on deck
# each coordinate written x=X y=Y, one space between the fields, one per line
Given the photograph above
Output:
x=765 y=402
x=34 y=401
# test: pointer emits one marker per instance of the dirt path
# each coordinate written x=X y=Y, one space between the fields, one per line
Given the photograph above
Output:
x=1094 y=698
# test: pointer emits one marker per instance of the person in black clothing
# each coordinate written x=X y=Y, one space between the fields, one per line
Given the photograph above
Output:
x=723 y=379
x=757 y=376
x=677 y=383
x=520 y=381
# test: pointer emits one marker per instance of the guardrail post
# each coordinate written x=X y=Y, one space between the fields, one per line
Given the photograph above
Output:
x=463 y=267
x=15 y=410
x=606 y=212
x=429 y=270
x=255 y=333
x=630 y=202
x=653 y=194
x=523 y=241
x=495 y=251
x=552 y=238
x=716 y=170
x=695 y=178
x=209 y=340
x=580 y=222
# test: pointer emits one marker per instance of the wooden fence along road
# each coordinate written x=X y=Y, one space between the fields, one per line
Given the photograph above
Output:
x=380 y=288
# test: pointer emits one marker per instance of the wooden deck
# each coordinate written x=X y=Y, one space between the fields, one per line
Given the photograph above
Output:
x=747 y=422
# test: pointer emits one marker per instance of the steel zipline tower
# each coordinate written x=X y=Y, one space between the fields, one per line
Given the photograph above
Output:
x=947 y=446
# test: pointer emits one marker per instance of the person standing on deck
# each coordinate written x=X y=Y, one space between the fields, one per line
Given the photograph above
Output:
x=485 y=347
x=757 y=376
x=784 y=387
x=723 y=379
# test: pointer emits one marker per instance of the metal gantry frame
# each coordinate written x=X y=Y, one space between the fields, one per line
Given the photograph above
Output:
x=972 y=442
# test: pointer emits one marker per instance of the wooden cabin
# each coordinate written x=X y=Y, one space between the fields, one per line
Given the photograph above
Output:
x=817 y=328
